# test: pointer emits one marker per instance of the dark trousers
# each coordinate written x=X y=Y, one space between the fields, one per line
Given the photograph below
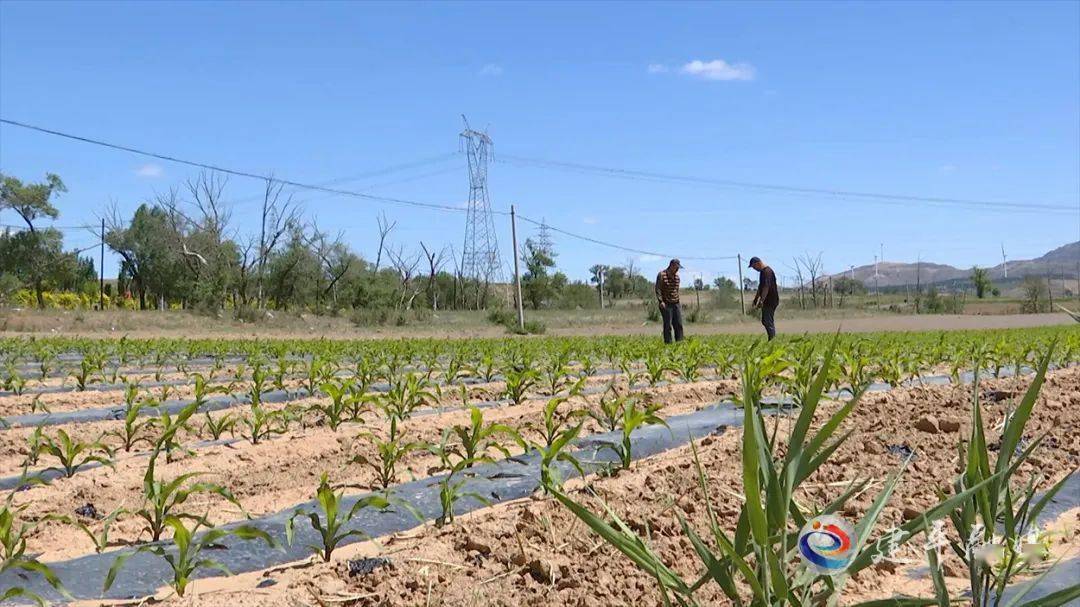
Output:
x=768 y=320
x=672 y=315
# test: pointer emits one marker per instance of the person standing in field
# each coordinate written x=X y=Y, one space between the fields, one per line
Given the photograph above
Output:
x=767 y=297
x=667 y=297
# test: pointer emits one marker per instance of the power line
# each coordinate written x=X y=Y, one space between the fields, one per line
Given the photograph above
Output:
x=875 y=196
x=329 y=190
x=239 y=173
x=616 y=246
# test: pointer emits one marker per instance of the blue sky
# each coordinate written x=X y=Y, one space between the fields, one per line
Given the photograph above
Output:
x=960 y=100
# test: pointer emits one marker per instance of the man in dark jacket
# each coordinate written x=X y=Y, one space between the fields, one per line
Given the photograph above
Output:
x=767 y=297
x=667 y=297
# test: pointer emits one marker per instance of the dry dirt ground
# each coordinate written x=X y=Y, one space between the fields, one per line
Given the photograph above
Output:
x=457 y=324
x=533 y=551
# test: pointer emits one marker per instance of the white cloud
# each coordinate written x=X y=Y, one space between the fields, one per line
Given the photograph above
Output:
x=658 y=68
x=589 y=220
x=718 y=69
x=491 y=69
x=647 y=258
x=149 y=171
x=948 y=169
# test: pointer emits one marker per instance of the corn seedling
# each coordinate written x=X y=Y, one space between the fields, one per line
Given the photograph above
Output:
x=331 y=520
x=339 y=409
x=216 y=427
x=74 y=454
x=261 y=424
x=13 y=534
x=184 y=553
x=451 y=492
x=162 y=499
x=136 y=428
x=995 y=528
x=389 y=454
x=478 y=438
x=519 y=380
x=631 y=418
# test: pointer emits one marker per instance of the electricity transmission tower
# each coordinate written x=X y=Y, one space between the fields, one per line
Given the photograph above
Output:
x=480 y=257
x=544 y=239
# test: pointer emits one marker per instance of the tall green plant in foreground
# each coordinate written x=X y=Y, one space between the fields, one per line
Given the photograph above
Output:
x=333 y=520
x=996 y=531
x=13 y=555
x=761 y=555
x=184 y=553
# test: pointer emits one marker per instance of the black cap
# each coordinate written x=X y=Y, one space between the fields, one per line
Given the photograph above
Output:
x=754 y=260
x=675 y=262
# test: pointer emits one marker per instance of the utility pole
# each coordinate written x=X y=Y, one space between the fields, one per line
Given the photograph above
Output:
x=517 y=271
x=600 y=285
x=101 y=270
x=742 y=296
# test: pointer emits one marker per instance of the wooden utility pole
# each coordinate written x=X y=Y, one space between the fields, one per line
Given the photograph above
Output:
x=742 y=296
x=600 y=285
x=101 y=270
x=517 y=271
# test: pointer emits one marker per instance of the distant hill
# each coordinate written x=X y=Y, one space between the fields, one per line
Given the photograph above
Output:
x=1062 y=260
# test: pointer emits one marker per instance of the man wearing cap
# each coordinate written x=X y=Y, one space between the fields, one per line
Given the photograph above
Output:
x=667 y=297
x=767 y=297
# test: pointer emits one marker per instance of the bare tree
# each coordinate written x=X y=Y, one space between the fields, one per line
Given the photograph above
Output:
x=385 y=228
x=335 y=257
x=278 y=217
x=813 y=266
x=406 y=268
x=799 y=280
x=434 y=259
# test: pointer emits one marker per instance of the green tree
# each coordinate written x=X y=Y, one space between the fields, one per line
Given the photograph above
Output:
x=37 y=250
x=537 y=286
x=980 y=277
x=149 y=259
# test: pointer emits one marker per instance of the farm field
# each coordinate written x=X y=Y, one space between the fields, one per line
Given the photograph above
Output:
x=556 y=470
x=626 y=319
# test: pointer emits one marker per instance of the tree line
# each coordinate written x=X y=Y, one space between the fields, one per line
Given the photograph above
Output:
x=185 y=249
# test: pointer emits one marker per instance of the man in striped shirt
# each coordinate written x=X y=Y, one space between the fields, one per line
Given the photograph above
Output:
x=667 y=297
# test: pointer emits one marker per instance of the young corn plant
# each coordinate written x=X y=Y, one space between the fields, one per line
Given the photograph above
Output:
x=84 y=375
x=216 y=427
x=478 y=438
x=136 y=429
x=633 y=417
x=262 y=424
x=608 y=414
x=74 y=454
x=519 y=380
x=170 y=427
x=757 y=566
x=339 y=409
x=556 y=435
x=656 y=365
x=162 y=500
x=13 y=534
x=406 y=394
x=995 y=529
x=202 y=389
x=331 y=520
x=14 y=382
x=185 y=552
x=451 y=492
x=389 y=454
